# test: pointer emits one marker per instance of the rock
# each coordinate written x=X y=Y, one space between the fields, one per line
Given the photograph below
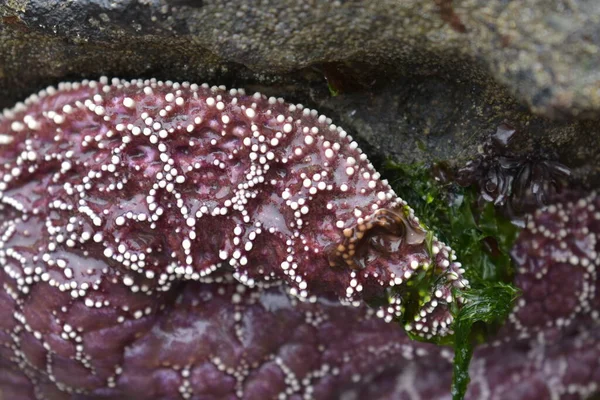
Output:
x=430 y=119
x=416 y=81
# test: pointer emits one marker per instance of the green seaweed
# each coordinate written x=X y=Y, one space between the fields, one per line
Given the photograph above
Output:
x=482 y=239
x=484 y=310
x=333 y=91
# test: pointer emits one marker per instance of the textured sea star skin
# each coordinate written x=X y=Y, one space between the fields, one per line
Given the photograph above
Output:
x=223 y=340
x=217 y=336
x=529 y=370
x=206 y=342
x=114 y=196
x=558 y=266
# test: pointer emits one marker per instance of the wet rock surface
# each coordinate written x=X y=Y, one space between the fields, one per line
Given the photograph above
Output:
x=416 y=80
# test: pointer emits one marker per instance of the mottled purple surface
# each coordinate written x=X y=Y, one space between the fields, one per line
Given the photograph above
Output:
x=558 y=266
x=116 y=195
x=221 y=340
x=217 y=341
x=84 y=316
x=273 y=191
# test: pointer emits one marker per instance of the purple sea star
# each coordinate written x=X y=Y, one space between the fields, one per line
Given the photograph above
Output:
x=118 y=197
x=78 y=323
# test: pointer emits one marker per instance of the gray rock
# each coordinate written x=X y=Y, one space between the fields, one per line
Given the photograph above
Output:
x=417 y=81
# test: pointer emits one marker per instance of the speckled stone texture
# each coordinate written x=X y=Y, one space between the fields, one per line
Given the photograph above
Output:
x=440 y=74
x=544 y=51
